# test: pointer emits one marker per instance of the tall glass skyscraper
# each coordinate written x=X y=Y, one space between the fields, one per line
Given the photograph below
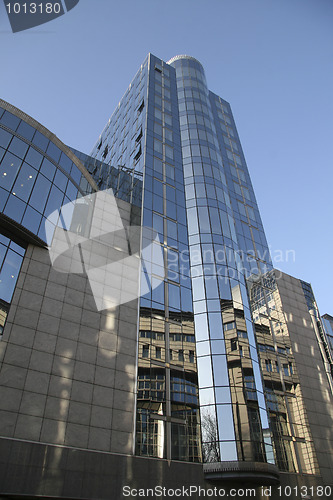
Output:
x=217 y=368
x=198 y=361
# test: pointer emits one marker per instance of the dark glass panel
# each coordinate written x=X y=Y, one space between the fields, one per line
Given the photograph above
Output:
x=10 y=120
x=15 y=208
x=5 y=138
x=31 y=220
x=40 y=140
x=53 y=151
x=76 y=174
x=71 y=191
x=48 y=169
x=9 y=274
x=3 y=198
x=55 y=201
x=60 y=180
x=24 y=182
x=26 y=130
x=40 y=193
x=34 y=158
x=8 y=170
x=65 y=163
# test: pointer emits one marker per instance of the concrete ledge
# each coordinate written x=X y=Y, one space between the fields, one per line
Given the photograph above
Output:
x=252 y=472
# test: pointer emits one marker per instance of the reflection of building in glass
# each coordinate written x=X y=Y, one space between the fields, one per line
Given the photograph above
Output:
x=210 y=375
x=328 y=327
x=296 y=372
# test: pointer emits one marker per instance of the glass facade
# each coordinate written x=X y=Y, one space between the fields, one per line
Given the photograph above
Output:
x=11 y=257
x=37 y=177
x=234 y=426
x=198 y=366
x=143 y=134
x=292 y=440
x=328 y=326
x=217 y=379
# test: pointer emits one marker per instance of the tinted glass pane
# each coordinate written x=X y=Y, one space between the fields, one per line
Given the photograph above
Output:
x=34 y=158
x=65 y=163
x=18 y=147
x=15 y=208
x=71 y=191
x=5 y=138
x=40 y=140
x=40 y=193
x=174 y=296
x=53 y=151
x=10 y=120
x=48 y=169
x=26 y=130
x=55 y=201
x=8 y=170
x=3 y=198
x=31 y=220
x=3 y=251
x=9 y=274
x=60 y=180
x=24 y=182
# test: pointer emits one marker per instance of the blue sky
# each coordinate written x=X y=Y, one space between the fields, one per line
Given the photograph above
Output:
x=271 y=59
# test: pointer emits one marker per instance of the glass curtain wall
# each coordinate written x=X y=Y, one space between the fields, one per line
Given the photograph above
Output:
x=167 y=404
x=142 y=139
x=234 y=421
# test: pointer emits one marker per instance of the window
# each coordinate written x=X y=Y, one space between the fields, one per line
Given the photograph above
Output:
x=137 y=153
x=234 y=345
x=268 y=363
x=229 y=326
x=142 y=105
x=158 y=353
x=145 y=351
x=191 y=356
x=181 y=355
x=288 y=369
x=158 y=146
x=138 y=137
x=105 y=152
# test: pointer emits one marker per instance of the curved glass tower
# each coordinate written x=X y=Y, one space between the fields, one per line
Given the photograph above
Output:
x=218 y=191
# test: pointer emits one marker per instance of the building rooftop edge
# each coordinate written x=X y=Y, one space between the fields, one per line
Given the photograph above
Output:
x=7 y=106
x=183 y=56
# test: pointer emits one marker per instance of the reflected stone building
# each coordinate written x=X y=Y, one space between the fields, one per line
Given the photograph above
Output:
x=328 y=327
x=213 y=368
